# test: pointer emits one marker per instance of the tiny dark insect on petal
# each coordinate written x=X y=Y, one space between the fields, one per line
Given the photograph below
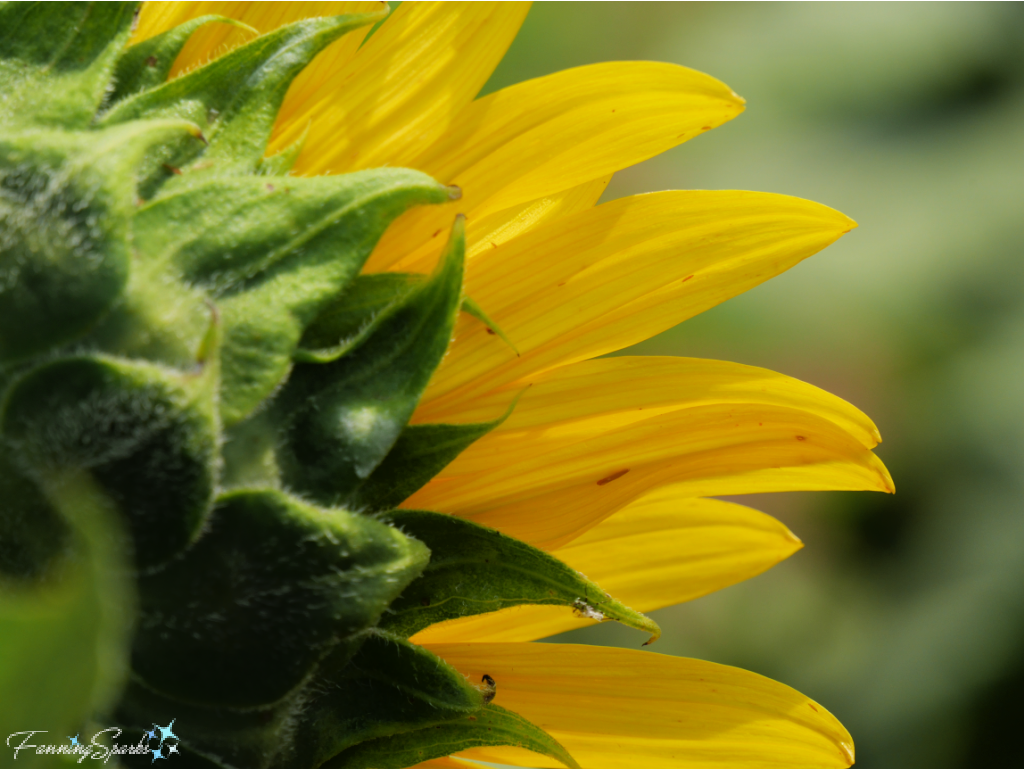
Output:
x=172 y=169
x=490 y=688
x=151 y=61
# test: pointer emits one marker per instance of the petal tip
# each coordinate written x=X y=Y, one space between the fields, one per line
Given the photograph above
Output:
x=847 y=751
x=888 y=487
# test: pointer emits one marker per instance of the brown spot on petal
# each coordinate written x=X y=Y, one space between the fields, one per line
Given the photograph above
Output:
x=436 y=234
x=686 y=278
x=491 y=331
x=801 y=438
x=612 y=477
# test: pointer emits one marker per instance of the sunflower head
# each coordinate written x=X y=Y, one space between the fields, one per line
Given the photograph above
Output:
x=227 y=392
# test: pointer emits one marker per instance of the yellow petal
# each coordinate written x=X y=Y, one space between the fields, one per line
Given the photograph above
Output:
x=613 y=275
x=661 y=550
x=492 y=231
x=587 y=439
x=447 y=762
x=546 y=135
x=403 y=89
x=628 y=388
x=217 y=39
x=620 y=709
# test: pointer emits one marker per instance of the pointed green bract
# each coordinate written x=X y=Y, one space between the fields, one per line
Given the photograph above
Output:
x=234 y=100
x=57 y=59
x=147 y=64
x=281 y=164
x=390 y=686
x=145 y=436
x=490 y=727
x=340 y=419
x=243 y=617
x=349 y=317
x=66 y=203
x=272 y=251
x=420 y=453
x=475 y=570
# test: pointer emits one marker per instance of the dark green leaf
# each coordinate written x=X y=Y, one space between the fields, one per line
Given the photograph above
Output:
x=147 y=64
x=420 y=453
x=146 y=436
x=56 y=60
x=273 y=251
x=63 y=642
x=339 y=420
x=234 y=100
x=390 y=686
x=475 y=570
x=66 y=200
x=491 y=726
x=246 y=613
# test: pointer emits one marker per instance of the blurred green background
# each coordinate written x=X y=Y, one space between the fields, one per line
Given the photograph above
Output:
x=904 y=615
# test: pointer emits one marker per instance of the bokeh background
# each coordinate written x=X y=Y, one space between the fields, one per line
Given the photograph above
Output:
x=904 y=615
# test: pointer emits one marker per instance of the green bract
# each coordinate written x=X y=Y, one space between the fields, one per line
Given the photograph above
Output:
x=204 y=421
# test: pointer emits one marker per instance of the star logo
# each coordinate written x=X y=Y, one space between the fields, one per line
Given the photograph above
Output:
x=74 y=740
x=166 y=733
x=158 y=753
x=151 y=735
x=172 y=749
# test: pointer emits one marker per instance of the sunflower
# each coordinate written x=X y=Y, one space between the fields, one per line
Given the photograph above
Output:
x=610 y=465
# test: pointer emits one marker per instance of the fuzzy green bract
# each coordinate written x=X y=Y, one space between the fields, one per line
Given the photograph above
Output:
x=204 y=421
